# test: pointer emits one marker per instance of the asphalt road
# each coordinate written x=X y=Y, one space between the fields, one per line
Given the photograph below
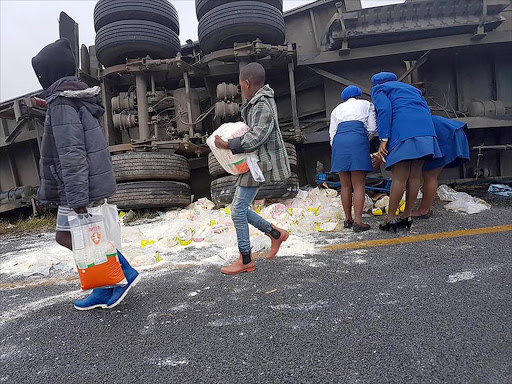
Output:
x=426 y=312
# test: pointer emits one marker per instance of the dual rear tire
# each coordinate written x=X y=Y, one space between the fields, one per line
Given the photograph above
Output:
x=234 y=21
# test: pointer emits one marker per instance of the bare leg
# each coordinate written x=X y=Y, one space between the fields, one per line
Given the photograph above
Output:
x=64 y=239
x=346 y=194
x=358 y=184
x=400 y=174
x=413 y=186
x=430 y=186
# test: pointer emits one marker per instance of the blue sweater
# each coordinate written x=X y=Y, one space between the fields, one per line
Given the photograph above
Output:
x=402 y=112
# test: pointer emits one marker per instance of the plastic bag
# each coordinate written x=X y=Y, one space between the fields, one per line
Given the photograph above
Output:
x=446 y=193
x=235 y=164
x=112 y=222
x=500 y=190
x=382 y=203
x=204 y=203
x=468 y=206
x=461 y=201
x=368 y=204
x=252 y=161
x=94 y=253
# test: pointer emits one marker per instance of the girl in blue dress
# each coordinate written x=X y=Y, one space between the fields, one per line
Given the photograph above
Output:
x=455 y=149
x=407 y=139
x=351 y=123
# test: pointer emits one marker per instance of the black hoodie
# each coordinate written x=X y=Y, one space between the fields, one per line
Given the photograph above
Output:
x=54 y=62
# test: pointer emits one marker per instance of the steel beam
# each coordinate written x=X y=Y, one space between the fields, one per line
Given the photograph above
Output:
x=408 y=47
x=189 y=103
x=293 y=94
x=422 y=60
x=339 y=79
x=142 y=106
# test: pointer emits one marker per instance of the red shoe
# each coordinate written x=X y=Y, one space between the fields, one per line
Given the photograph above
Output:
x=239 y=267
x=276 y=244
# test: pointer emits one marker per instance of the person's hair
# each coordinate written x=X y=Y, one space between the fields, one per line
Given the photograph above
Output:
x=254 y=72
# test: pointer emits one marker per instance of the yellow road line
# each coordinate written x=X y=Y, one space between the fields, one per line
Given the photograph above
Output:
x=419 y=238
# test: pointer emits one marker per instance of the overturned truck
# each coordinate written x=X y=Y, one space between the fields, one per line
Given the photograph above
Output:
x=163 y=99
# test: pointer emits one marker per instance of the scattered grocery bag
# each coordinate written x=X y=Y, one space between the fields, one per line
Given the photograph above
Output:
x=94 y=252
x=500 y=190
x=461 y=201
x=235 y=164
x=382 y=207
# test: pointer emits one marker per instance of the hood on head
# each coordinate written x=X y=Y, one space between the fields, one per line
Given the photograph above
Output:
x=383 y=77
x=89 y=98
x=54 y=62
x=72 y=88
x=351 y=91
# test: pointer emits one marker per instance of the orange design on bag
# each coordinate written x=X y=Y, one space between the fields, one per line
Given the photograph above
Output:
x=96 y=238
x=242 y=166
x=102 y=275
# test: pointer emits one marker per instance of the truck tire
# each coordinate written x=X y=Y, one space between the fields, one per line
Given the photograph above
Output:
x=205 y=6
x=151 y=194
x=214 y=167
x=292 y=155
x=157 y=11
x=240 y=21
x=134 y=166
x=223 y=189
x=217 y=171
x=134 y=39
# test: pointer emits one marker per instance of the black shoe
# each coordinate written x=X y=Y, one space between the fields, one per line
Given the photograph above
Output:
x=361 y=228
x=389 y=225
x=427 y=216
x=348 y=223
x=405 y=223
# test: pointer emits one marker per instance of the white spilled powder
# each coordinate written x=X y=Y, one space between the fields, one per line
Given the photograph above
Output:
x=303 y=307
x=171 y=361
x=154 y=319
x=179 y=308
x=239 y=320
x=23 y=310
x=197 y=235
x=461 y=276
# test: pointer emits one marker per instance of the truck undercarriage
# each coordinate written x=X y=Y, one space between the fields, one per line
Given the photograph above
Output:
x=159 y=111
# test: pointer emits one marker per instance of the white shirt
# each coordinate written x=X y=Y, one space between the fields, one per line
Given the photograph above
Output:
x=354 y=110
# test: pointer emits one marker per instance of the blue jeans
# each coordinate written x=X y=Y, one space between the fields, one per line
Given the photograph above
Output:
x=242 y=216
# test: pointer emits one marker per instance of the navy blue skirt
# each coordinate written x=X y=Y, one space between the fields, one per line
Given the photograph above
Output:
x=416 y=148
x=455 y=152
x=351 y=148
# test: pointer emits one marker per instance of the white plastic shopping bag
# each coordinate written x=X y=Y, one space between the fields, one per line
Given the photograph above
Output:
x=252 y=161
x=94 y=253
x=235 y=164
x=112 y=222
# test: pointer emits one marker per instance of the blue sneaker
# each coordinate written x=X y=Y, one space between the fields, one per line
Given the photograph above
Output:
x=97 y=299
x=132 y=276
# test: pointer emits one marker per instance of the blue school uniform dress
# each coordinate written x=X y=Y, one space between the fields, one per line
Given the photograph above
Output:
x=404 y=119
x=453 y=143
x=351 y=123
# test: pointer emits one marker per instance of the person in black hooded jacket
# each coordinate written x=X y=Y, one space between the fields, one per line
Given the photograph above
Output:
x=75 y=167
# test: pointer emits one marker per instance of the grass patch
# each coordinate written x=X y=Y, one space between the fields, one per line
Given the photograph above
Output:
x=33 y=224
x=140 y=214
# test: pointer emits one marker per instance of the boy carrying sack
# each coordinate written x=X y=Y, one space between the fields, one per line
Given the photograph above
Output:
x=75 y=167
x=264 y=137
